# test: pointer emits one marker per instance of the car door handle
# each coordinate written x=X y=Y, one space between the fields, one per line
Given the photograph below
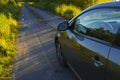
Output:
x=97 y=61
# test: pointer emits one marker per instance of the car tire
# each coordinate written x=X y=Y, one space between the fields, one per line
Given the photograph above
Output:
x=60 y=57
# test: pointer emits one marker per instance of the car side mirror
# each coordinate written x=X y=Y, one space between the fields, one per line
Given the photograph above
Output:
x=63 y=26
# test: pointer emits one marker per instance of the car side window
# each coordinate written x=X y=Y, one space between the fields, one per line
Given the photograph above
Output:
x=102 y=24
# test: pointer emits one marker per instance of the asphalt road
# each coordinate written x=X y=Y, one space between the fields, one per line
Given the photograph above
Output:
x=36 y=57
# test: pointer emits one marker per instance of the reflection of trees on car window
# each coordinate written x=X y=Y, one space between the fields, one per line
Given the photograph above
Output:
x=101 y=34
x=102 y=24
x=117 y=40
x=99 y=30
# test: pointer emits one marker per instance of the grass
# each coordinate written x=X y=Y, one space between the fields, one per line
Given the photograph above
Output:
x=68 y=11
x=65 y=8
x=9 y=11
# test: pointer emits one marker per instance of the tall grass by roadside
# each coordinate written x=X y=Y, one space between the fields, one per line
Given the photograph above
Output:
x=68 y=11
x=8 y=29
x=65 y=8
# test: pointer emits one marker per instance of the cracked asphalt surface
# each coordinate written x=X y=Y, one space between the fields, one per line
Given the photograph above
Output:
x=36 y=57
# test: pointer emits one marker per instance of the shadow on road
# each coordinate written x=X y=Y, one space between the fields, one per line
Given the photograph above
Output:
x=36 y=57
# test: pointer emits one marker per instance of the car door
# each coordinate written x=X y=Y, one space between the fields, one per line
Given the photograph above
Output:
x=113 y=67
x=88 y=43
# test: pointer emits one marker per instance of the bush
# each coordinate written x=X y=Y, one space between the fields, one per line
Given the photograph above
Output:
x=65 y=8
x=8 y=30
x=68 y=11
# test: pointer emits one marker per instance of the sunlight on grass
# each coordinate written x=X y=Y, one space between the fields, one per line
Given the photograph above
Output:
x=20 y=3
x=8 y=26
x=102 y=1
x=9 y=11
x=30 y=3
x=68 y=11
x=8 y=30
x=4 y=28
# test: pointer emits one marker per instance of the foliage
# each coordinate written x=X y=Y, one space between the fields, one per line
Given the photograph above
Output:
x=65 y=8
x=8 y=30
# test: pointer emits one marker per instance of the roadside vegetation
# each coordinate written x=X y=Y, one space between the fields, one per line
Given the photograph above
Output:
x=65 y=8
x=9 y=11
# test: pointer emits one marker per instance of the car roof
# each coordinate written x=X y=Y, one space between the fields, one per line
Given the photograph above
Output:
x=104 y=5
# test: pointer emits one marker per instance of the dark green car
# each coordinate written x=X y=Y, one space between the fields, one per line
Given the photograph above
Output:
x=90 y=43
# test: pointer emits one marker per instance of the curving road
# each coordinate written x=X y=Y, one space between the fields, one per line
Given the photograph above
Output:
x=36 y=58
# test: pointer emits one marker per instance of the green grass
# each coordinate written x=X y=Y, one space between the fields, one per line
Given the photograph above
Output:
x=68 y=11
x=9 y=11
x=65 y=8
